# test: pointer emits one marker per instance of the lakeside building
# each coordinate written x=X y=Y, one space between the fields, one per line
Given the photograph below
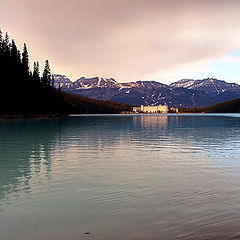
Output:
x=151 y=109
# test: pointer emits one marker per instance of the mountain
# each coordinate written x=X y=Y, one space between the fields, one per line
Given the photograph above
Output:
x=61 y=80
x=183 y=93
x=96 y=82
x=210 y=85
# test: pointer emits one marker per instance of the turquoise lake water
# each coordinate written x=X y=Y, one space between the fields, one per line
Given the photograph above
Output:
x=129 y=177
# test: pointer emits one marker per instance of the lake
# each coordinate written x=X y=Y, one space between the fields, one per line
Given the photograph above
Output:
x=120 y=177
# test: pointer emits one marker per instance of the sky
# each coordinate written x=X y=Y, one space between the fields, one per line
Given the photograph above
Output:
x=129 y=40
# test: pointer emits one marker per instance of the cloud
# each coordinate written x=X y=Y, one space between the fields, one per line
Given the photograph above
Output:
x=124 y=39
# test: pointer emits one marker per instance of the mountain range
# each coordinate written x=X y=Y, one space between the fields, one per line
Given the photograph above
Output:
x=183 y=93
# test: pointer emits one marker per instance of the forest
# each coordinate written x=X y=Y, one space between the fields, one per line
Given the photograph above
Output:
x=26 y=92
x=232 y=106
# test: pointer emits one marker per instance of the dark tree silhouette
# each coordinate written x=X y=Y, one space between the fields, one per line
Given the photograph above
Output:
x=25 y=60
x=46 y=78
x=36 y=72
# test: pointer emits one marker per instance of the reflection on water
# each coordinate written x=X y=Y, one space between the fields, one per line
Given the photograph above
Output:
x=25 y=152
x=120 y=177
x=150 y=121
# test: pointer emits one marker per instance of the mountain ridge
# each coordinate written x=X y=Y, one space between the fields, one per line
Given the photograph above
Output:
x=182 y=93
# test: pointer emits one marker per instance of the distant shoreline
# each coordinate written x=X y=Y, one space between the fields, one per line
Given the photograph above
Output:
x=47 y=116
x=29 y=116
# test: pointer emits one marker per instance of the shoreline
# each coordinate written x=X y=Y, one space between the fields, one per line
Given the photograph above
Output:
x=31 y=116
x=46 y=116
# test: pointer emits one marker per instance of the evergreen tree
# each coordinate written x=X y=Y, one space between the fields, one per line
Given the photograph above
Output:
x=36 y=72
x=1 y=39
x=7 y=39
x=15 y=53
x=6 y=46
x=46 y=78
x=25 y=61
x=1 y=49
x=15 y=63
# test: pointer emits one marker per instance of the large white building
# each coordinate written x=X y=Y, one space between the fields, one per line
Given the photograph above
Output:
x=151 y=109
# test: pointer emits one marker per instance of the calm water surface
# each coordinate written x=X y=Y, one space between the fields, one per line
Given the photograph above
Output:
x=120 y=177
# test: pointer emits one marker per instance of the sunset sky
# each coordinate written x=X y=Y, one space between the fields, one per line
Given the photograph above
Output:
x=129 y=39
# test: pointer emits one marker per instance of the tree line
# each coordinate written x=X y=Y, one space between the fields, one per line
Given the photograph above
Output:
x=24 y=91
x=231 y=106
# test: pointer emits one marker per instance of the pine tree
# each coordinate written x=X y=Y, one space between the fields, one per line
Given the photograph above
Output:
x=6 y=46
x=36 y=72
x=7 y=38
x=1 y=49
x=15 y=54
x=25 y=61
x=15 y=63
x=46 y=78
x=14 y=51
x=1 y=39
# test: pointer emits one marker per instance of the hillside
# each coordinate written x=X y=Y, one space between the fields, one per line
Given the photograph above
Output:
x=78 y=104
x=232 y=106
x=183 y=93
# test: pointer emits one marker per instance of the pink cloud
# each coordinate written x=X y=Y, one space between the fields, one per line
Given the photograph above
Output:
x=127 y=40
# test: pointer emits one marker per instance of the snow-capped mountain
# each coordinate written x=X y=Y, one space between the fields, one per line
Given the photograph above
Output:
x=210 y=85
x=183 y=93
x=96 y=82
x=61 y=80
